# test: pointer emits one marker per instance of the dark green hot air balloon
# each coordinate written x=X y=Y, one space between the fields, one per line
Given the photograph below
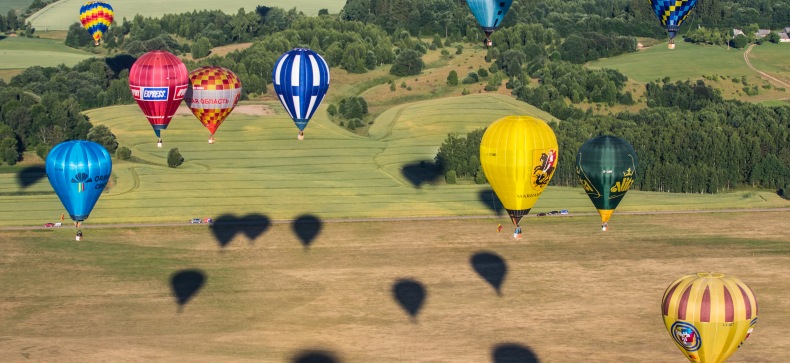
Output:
x=606 y=166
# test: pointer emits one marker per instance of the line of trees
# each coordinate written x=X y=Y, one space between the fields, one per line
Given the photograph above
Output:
x=688 y=140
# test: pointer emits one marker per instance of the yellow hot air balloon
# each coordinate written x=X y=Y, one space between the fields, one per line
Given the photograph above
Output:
x=709 y=315
x=519 y=156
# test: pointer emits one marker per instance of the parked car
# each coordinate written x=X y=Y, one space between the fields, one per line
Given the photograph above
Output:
x=195 y=220
x=49 y=224
x=541 y=214
x=554 y=213
x=564 y=212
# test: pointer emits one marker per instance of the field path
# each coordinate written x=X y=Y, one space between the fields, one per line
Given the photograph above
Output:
x=766 y=75
x=400 y=219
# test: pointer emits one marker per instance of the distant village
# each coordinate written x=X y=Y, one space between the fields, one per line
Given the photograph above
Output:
x=784 y=36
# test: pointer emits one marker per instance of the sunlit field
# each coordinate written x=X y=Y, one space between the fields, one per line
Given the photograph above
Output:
x=22 y=52
x=399 y=291
x=61 y=14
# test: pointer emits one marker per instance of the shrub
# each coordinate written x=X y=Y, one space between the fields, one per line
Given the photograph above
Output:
x=450 y=177
x=174 y=158
x=123 y=153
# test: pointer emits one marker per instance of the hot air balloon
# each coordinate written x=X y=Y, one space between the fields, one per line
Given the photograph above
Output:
x=709 y=315
x=212 y=95
x=489 y=14
x=606 y=166
x=159 y=81
x=78 y=172
x=96 y=17
x=519 y=157
x=672 y=13
x=301 y=79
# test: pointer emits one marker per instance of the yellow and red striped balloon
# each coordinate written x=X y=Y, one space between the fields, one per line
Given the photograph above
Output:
x=96 y=17
x=709 y=315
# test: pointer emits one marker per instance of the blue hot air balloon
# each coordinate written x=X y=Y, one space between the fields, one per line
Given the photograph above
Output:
x=78 y=171
x=301 y=79
x=489 y=14
x=671 y=13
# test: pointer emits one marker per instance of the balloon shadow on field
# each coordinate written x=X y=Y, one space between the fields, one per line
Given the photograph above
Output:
x=120 y=62
x=30 y=175
x=314 y=356
x=491 y=267
x=423 y=172
x=410 y=294
x=185 y=285
x=227 y=226
x=307 y=227
x=491 y=201
x=513 y=353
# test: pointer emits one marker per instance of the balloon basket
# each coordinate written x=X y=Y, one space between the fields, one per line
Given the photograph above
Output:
x=78 y=238
x=671 y=45
x=211 y=140
x=604 y=228
x=517 y=235
x=159 y=144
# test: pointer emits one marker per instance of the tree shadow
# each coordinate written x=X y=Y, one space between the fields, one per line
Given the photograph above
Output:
x=185 y=285
x=513 y=353
x=227 y=226
x=315 y=356
x=307 y=227
x=491 y=201
x=30 y=175
x=120 y=62
x=410 y=294
x=423 y=172
x=3 y=37
x=491 y=267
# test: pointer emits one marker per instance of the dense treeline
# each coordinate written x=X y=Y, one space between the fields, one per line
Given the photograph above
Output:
x=688 y=140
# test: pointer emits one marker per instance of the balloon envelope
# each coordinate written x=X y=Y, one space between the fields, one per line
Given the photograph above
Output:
x=606 y=166
x=96 y=17
x=158 y=81
x=709 y=315
x=301 y=79
x=489 y=13
x=519 y=157
x=212 y=95
x=671 y=13
x=78 y=171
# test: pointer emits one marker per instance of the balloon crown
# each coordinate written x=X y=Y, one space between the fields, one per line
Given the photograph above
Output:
x=628 y=173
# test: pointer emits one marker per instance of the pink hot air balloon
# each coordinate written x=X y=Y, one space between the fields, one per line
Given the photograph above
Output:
x=159 y=81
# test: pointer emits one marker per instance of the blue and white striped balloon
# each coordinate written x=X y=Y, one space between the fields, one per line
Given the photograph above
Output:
x=301 y=79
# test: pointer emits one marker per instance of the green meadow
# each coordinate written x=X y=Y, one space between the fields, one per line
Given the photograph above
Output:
x=257 y=166
x=22 y=52
x=61 y=14
x=18 y=5
x=686 y=61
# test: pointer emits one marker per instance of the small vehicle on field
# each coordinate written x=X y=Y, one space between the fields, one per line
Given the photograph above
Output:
x=541 y=214
x=564 y=212
x=49 y=224
x=554 y=213
x=195 y=221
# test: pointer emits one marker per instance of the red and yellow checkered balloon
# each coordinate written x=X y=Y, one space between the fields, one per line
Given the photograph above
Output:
x=213 y=93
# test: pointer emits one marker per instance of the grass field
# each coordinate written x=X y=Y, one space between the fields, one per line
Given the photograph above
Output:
x=60 y=15
x=21 y=52
x=689 y=61
x=258 y=167
x=569 y=293
x=18 y=5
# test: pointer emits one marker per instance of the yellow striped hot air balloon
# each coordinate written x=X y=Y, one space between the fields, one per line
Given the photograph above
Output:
x=519 y=156
x=96 y=17
x=709 y=315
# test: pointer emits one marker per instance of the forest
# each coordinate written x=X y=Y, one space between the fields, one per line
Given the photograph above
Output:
x=689 y=139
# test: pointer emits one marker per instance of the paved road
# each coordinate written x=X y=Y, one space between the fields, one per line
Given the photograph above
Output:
x=347 y=220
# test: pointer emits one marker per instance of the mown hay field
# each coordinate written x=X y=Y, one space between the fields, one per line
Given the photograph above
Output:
x=61 y=14
x=21 y=52
x=350 y=292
